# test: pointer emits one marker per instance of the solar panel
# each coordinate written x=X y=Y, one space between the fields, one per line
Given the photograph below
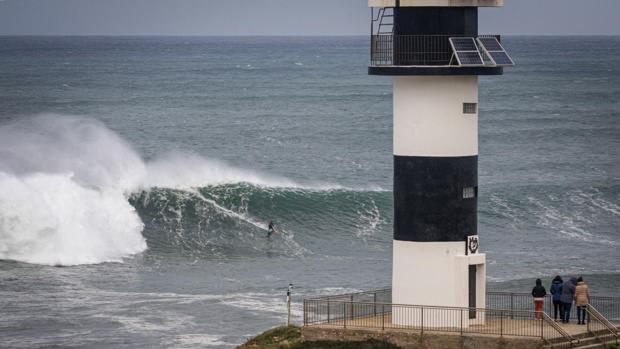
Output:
x=501 y=58
x=466 y=51
x=469 y=58
x=495 y=51
x=464 y=44
x=491 y=44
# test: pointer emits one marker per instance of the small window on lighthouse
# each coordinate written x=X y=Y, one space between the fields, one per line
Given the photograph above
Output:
x=469 y=192
x=470 y=108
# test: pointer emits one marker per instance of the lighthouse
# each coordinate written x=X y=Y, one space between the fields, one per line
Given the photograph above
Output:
x=434 y=54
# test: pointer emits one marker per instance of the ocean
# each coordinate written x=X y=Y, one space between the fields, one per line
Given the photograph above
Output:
x=138 y=176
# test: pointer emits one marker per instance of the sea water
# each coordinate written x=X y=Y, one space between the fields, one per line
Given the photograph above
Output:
x=138 y=175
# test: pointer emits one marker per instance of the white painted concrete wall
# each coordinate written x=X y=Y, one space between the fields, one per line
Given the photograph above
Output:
x=434 y=274
x=429 y=118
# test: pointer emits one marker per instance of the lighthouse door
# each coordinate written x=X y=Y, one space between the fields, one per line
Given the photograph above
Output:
x=472 y=291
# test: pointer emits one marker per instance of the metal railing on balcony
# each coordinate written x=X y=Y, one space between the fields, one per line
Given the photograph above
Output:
x=412 y=50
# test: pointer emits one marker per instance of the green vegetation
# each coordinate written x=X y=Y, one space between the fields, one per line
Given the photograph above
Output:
x=290 y=338
x=614 y=346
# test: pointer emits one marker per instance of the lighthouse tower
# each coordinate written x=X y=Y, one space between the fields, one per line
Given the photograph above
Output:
x=434 y=54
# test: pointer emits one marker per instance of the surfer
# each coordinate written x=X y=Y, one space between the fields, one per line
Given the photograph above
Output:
x=270 y=229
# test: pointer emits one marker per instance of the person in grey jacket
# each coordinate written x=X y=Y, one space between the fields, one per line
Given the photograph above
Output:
x=568 y=293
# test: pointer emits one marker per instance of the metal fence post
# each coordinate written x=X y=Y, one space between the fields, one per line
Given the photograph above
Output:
x=461 y=321
x=422 y=319
x=351 y=307
x=383 y=317
x=374 y=304
x=328 y=319
x=542 y=328
x=501 y=323
x=512 y=305
x=305 y=312
x=588 y=314
x=344 y=314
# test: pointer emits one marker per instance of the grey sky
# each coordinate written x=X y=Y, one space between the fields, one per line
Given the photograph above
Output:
x=280 y=17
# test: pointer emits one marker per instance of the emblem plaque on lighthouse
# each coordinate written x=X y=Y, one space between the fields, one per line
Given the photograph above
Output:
x=473 y=244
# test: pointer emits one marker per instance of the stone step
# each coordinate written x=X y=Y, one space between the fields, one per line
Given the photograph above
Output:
x=590 y=342
x=595 y=343
x=595 y=346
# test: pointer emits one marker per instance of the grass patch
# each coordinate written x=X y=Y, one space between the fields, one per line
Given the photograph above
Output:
x=614 y=346
x=279 y=337
x=290 y=338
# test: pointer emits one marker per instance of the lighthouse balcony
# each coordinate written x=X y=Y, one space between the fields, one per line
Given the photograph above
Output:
x=456 y=54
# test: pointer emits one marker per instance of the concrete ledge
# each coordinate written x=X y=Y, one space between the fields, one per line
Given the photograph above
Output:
x=436 y=3
x=394 y=70
x=411 y=340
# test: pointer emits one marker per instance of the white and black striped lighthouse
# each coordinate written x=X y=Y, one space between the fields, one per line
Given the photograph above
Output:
x=434 y=54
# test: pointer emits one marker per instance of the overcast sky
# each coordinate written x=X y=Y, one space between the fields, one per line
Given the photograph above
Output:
x=281 y=17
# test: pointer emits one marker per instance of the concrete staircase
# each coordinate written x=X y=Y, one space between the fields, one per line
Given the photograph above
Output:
x=599 y=340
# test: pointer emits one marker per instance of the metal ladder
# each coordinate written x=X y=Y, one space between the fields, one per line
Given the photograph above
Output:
x=383 y=26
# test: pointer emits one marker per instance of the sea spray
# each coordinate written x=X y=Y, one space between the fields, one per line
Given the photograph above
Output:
x=96 y=156
x=179 y=170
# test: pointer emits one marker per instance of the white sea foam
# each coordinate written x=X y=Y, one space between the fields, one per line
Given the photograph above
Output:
x=50 y=219
x=369 y=218
x=595 y=200
x=199 y=341
x=565 y=225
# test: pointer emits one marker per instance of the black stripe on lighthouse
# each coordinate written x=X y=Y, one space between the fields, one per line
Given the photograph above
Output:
x=432 y=198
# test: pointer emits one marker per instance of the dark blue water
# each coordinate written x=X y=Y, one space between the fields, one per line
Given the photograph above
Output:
x=148 y=167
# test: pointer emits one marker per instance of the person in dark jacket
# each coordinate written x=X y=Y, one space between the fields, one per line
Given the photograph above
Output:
x=539 y=293
x=556 y=292
x=568 y=293
x=270 y=229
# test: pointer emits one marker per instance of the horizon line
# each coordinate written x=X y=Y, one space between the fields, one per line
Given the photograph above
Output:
x=260 y=36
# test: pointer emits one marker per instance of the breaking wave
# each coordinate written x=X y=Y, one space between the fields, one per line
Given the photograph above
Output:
x=231 y=219
x=74 y=192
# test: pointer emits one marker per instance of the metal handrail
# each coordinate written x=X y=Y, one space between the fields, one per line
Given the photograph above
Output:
x=600 y=316
x=420 y=306
x=348 y=295
x=610 y=304
x=568 y=339
x=593 y=313
x=489 y=293
x=548 y=295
